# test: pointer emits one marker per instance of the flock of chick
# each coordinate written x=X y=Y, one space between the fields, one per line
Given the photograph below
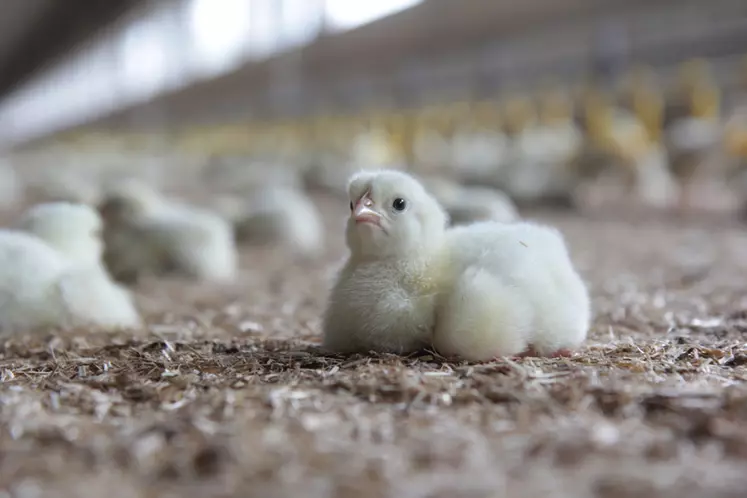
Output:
x=438 y=255
x=475 y=291
x=68 y=260
x=653 y=141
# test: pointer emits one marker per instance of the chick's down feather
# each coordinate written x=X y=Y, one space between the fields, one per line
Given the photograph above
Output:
x=514 y=288
x=55 y=278
x=475 y=291
x=148 y=234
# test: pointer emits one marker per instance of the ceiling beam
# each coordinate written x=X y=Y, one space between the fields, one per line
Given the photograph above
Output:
x=62 y=26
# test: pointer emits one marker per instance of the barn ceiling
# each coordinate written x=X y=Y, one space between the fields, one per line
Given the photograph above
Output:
x=34 y=33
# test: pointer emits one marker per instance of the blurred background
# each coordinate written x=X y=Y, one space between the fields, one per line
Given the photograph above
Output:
x=576 y=103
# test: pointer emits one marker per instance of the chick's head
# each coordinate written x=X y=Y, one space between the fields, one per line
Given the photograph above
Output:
x=392 y=216
x=72 y=229
x=129 y=200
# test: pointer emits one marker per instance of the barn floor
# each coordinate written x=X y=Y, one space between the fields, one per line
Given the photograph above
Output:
x=227 y=395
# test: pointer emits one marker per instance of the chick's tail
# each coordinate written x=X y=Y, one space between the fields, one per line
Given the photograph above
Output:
x=482 y=318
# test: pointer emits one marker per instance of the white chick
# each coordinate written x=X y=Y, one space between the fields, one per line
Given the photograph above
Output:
x=541 y=154
x=466 y=204
x=482 y=204
x=480 y=156
x=11 y=188
x=433 y=150
x=148 y=234
x=72 y=229
x=655 y=184
x=475 y=292
x=52 y=274
x=328 y=172
x=283 y=216
x=371 y=148
x=515 y=291
x=386 y=295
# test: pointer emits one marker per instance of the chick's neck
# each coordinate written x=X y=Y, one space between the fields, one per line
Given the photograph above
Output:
x=420 y=269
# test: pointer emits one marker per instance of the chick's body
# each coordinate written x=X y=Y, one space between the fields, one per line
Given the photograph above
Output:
x=30 y=271
x=51 y=273
x=146 y=234
x=383 y=301
x=287 y=217
x=11 y=186
x=382 y=306
x=477 y=291
x=512 y=287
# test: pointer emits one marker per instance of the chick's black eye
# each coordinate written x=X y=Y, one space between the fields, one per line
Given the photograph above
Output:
x=399 y=204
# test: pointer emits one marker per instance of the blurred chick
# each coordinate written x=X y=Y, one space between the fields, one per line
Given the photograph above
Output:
x=465 y=204
x=735 y=141
x=326 y=172
x=656 y=186
x=432 y=145
x=479 y=147
x=474 y=292
x=563 y=141
x=692 y=127
x=282 y=216
x=371 y=146
x=238 y=174
x=52 y=275
x=618 y=147
x=545 y=139
x=11 y=186
x=146 y=233
x=329 y=162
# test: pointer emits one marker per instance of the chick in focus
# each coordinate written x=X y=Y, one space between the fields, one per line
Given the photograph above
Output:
x=513 y=291
x=475 y=292
x=147 y=234
x=52 y=274
x=386 y=295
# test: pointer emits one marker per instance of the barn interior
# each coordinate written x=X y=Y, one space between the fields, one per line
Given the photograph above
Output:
x=174 y=200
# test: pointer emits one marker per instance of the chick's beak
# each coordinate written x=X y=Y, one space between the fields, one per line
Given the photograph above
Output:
x=363 y=211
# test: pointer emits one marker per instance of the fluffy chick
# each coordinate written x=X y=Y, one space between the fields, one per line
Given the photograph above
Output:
x=387 y=292
x=146 y=233
x=283 y=216
x=482 y=204
x=514 y=290
x=475 y=292
x=52 y=274
x=11 y=186
x=466 y=204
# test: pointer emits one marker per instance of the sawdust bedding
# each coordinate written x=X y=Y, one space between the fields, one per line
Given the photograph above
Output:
x=227 y=394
